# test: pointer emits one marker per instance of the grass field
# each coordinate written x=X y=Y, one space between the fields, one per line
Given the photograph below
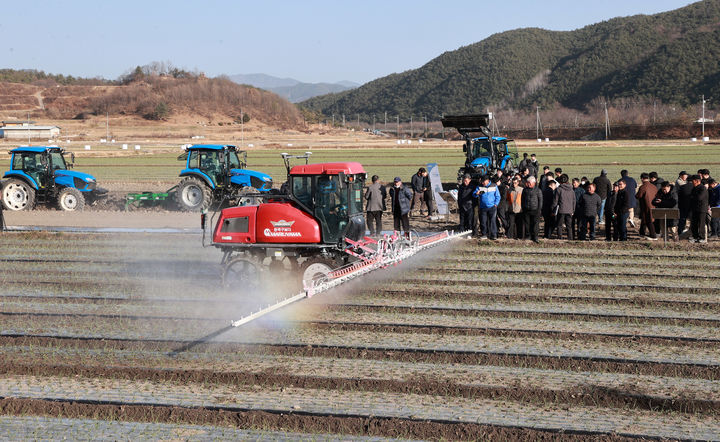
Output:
x=159 y=163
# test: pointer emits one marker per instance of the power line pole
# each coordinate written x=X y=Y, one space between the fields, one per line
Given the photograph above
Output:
x=343 y=120
x=385 y=121
x=537 y=122
x=398 y=126
x=411 y=127
x=358 y=121
x=607 y=122
x=373 y=123
x=703 y=115
x=425 y=133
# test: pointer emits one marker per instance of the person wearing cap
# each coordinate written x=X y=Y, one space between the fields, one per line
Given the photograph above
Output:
x=375 y=196
x=467 y=204
x=699 y=206
x=603 y=187
x=401 y=198
x=681 y=180
x=488 y=197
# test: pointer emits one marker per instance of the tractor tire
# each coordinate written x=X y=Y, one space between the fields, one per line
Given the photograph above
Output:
x=243 y=273
x=193 y=195
x=18 y=195
x=316 y=270
x=70 y=200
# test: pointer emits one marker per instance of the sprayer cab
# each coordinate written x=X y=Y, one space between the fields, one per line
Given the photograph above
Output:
x=323 y=207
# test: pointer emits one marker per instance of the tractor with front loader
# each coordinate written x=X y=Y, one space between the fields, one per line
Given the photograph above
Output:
x=42 y=175
x=217 y=174
x=486 y=153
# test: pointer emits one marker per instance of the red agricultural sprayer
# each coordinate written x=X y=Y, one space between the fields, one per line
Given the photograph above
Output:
x=316 y=228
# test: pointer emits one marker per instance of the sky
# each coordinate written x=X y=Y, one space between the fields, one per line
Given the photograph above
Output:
x=308 y=40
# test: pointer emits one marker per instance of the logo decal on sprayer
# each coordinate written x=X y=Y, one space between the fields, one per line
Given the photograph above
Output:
x=282 y=223
x=283 y=229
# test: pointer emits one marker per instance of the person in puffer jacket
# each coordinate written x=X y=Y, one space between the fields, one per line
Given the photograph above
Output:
x=488 y=197
x=564 y=204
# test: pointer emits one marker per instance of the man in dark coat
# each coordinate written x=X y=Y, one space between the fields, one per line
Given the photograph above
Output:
x=564 y=202
x=375 y=196
x=631 y=186
x=590 y=203
x=645 y=195
x=532 y=205
x=699 y=204
x=665 y=199
x=683 y=199
x=610 y=232
x=419 y=183
x=401 y=198
x=622 y=210
x=548 y=212
x=466 y=205
x=502 y=205
x=536 y=166
x=603 y=187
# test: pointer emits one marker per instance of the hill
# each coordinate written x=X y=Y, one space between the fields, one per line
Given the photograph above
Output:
x=672 y=57
x=292 y=90
x=155 y=97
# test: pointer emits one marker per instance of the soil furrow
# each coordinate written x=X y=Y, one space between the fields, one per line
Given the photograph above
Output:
x=299 y=422
x=561 y=271
x=559 y=362
x=586 y=395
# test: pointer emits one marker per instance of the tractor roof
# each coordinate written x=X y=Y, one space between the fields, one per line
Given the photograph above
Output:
x=348 y=168
x=211 y=146
x=35 y=149
x=494 y=139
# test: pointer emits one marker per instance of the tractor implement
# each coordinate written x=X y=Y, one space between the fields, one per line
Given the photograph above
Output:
x=390 y=250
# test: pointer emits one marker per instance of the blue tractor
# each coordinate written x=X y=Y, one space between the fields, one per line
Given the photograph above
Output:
x=216 y=174
x=484 y=154
x=41 y=175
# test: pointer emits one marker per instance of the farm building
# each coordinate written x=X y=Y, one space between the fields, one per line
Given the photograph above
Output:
x=11 y=130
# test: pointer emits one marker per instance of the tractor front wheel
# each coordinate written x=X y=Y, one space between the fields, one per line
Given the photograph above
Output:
x=242 y=273
x=70 y=199
x=193 y=195
x=18 y=195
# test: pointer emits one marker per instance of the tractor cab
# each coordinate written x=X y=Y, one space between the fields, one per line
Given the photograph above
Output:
x=41 y=175
x=222 y=166
x=482 y=151
x=484 y=154
x=333 y=194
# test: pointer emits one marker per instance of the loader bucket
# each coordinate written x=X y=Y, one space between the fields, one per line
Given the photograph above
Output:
x=467 y=123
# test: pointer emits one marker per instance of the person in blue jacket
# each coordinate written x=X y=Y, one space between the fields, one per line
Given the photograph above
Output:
x=488 y=197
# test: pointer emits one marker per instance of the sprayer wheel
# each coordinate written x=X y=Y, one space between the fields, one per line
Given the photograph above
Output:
x=242 y=273
x=316 y=269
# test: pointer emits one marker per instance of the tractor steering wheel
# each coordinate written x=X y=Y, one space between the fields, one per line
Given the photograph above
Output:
x=339 y=210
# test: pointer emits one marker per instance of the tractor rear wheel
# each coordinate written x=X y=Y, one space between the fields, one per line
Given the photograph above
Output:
x=316 y=270
x=193 y=195
x=242 y=272
x=18 y=195
x=70 y=199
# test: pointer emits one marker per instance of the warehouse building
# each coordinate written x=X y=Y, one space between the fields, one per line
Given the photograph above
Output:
x=14 y=130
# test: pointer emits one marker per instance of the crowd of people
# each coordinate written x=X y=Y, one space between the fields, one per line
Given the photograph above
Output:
x=516 y=206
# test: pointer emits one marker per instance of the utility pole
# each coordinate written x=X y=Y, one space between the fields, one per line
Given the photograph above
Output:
x=107 y=127
x=398 y=126
x=425 y=133
x=358 y=121
x=537 y=122
x=333 y=120
x=373 y=123
x=343 y=120
x=411 y=128
x=385 y=121
x=703 y=115
x=242 y=129
x=28 y=126
x=442 y=115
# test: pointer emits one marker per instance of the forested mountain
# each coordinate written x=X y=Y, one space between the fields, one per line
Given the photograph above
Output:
x=672 y=57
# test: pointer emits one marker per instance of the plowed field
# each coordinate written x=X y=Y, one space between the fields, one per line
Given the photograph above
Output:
x=127 y=336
